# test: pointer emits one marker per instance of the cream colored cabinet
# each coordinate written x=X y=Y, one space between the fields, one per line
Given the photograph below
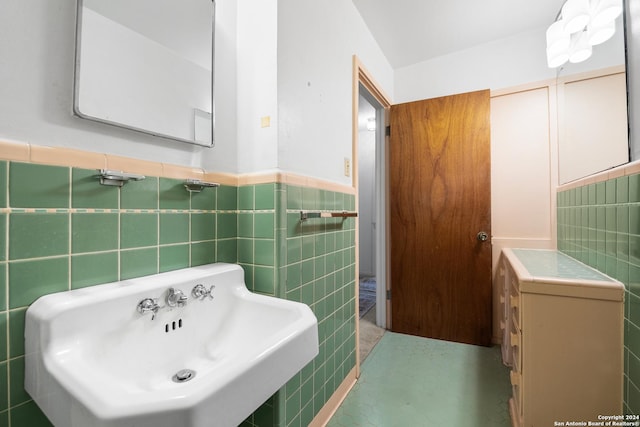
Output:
x=562 y=336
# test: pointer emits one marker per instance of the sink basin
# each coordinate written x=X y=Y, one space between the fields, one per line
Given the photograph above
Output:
x=94 y=359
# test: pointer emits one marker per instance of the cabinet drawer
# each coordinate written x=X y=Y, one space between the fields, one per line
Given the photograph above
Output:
x=516 y=350
x=514 y=306
x=514 y=288
x=515 y=339
x=503 y=309
x=516 y=386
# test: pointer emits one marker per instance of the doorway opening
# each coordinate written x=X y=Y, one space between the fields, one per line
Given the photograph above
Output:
x=370 y=130
x=370 y=147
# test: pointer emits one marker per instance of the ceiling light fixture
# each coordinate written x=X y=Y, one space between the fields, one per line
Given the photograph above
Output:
x=576 y=14
x=580 y=25
x=604 y=11
x=580 y=49
x=600 y=34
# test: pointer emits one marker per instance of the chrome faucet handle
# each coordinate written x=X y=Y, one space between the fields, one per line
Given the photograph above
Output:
x=200 y=292
x=149 y=305
x=176 y=298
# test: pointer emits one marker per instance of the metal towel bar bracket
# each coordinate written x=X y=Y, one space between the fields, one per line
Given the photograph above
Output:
x=310 y=215
x=196 y=185
x=117 y=178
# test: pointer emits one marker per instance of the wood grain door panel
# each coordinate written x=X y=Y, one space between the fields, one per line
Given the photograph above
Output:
x=440 y=200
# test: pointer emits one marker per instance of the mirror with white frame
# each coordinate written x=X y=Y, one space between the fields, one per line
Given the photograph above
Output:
x=147 y=65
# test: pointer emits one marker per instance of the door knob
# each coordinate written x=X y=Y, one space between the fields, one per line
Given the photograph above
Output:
x=482 y=236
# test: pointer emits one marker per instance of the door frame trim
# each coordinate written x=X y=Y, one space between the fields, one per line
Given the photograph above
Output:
x=361 y=76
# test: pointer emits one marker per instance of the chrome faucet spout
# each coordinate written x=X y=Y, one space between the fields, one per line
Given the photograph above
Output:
x=176 y=298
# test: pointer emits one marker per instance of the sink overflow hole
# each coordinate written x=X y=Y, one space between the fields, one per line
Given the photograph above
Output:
x=183 y=375
x=173 y=325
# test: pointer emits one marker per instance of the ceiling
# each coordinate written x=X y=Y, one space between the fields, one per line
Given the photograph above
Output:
x=408 y=31
x=412 y=31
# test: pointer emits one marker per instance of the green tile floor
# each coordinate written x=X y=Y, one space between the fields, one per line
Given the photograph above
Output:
x=413 y=381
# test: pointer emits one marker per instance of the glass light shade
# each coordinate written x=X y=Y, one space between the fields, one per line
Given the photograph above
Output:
x=557 y=39
x=580 y=49
x=600 y=34
x=576 y=14
x=605 y=11
x=557 y=57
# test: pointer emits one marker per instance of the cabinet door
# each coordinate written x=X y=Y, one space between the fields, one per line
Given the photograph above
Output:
x=571 y=358
x=520 y=129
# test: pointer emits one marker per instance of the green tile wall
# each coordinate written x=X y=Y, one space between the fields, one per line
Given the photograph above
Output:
x=60 y=230
x=599 y=224
x=311 y=262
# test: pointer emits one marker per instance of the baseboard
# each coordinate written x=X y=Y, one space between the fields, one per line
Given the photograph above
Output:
x=334 y=402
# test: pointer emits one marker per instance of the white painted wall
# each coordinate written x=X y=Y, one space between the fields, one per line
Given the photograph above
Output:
x=503 y=63
x=294 y=65
x=316 y=42
x=257 y=85
x=500 y=64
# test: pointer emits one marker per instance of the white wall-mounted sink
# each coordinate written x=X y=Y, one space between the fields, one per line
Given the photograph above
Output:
x=93 y=359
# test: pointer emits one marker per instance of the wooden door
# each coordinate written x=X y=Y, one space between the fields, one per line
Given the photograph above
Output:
x=439 y=201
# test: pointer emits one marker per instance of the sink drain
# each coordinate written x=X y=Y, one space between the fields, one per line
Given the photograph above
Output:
x=183 y=376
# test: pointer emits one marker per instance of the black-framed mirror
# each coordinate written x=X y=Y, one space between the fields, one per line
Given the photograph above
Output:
x=147 y=65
